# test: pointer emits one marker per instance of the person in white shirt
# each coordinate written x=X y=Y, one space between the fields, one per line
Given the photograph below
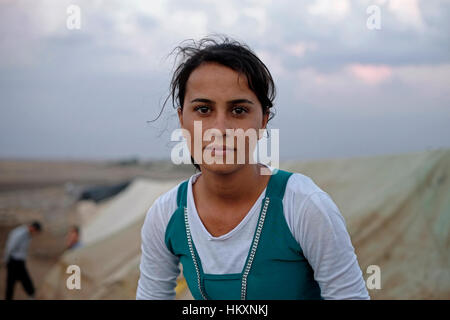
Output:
x=16 y=252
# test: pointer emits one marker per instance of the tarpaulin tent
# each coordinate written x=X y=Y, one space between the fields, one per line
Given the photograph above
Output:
x=397 y=210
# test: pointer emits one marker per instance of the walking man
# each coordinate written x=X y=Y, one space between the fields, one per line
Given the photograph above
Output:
x=16 y=251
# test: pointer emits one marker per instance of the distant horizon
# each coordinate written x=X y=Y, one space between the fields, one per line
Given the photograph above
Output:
x=167 y=159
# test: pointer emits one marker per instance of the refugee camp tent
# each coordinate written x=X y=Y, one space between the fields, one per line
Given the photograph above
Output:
x=397 y=210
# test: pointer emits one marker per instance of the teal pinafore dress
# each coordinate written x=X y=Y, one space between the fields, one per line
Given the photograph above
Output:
x=275 y=267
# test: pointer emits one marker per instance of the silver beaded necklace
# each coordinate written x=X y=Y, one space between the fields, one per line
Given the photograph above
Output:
x=250 y=258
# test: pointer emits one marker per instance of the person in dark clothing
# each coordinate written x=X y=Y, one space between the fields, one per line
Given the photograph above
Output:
x=16 y=252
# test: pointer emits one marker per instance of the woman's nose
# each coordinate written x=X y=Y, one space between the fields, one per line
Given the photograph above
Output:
x=222 y=123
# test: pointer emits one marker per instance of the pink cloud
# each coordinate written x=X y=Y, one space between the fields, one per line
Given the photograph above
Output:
x=370 y=74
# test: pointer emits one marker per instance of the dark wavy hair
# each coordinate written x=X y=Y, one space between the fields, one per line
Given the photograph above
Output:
x=227 y=52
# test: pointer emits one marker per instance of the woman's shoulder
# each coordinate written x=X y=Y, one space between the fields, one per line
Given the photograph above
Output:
x=307 y=206
x=168 y=198
x=163 y=207
x=302 y=192
x=301 y=185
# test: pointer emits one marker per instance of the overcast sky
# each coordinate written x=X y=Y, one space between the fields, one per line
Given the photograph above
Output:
x=343 y=89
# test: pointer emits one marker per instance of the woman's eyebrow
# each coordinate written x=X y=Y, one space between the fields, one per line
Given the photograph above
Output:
x=234 y=101
x=203 y=100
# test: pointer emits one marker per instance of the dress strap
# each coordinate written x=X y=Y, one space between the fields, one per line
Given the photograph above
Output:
x=182 y=194
x=277 y=184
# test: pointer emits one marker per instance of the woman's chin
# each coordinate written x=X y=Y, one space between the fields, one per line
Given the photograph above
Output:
x=222 y=168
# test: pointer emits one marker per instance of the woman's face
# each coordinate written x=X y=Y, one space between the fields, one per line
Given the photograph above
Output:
x=221 y=99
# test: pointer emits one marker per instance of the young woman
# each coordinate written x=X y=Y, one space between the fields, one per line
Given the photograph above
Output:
x=238 y=233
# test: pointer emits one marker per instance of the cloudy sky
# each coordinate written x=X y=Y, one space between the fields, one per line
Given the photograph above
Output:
x=343 y=89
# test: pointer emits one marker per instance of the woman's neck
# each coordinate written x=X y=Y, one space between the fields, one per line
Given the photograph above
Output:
x=241 y=185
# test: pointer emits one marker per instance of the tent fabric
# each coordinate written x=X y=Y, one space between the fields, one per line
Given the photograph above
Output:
x=126 y=208
x=396 y=207
x=397 y=210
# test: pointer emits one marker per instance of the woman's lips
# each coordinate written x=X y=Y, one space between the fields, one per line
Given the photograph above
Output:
x=219 y=150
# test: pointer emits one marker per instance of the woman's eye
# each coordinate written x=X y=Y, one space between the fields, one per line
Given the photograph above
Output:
x=202 y=109
x=238 y=110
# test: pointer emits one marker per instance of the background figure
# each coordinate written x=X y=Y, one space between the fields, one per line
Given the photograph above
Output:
x=16 y=251
x=73 y=238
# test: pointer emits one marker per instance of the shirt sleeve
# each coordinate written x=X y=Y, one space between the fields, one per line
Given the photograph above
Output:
x=158 y=267
x=12 y=243
x=327 y=246
x=8 y=247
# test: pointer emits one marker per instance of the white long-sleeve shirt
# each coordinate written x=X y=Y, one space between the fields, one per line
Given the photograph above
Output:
x=17 y=244
x=313 y=219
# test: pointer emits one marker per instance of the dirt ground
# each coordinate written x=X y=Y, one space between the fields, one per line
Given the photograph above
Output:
x=47 y=191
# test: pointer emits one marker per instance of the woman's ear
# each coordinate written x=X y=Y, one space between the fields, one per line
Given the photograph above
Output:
x=180 y=116
x=265 y=118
